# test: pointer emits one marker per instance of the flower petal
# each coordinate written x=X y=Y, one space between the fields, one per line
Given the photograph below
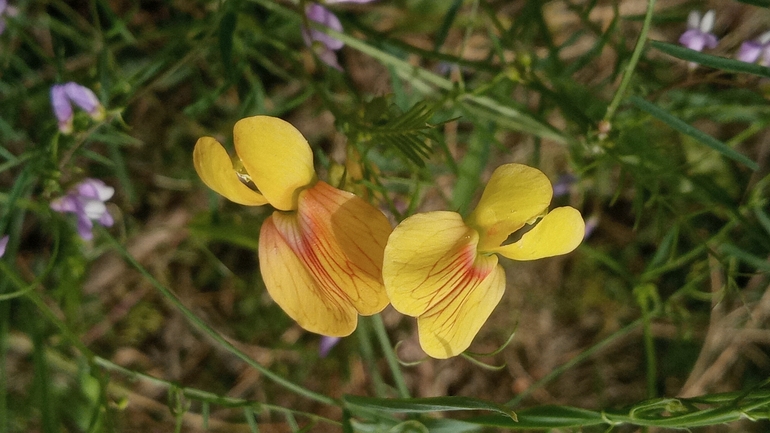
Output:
x=94 y=189
x=295 y=289
x=514 y=195
x=320 y=14
x=276 y=156
x=216 y=170
x=559 y=232
x=432 y=270
x=339 y=240
x=62 y=108
x=3 y=244
x=344 y=241
x=449 y=328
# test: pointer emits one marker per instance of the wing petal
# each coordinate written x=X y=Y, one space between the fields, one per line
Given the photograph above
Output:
x=276 y=156
x=216 y=170
x=559 y=232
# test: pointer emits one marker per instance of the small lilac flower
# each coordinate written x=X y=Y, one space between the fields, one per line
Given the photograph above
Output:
x=563 y=184
x=326 y=344
x=62 y=98
x=591 y=224
x=756 y=49
x=3 y=7
x=3 y=244
x=86 y=201
x=698 y=34
x=323 y=44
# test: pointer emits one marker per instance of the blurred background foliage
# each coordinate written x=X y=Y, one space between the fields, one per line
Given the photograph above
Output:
x=667 y=297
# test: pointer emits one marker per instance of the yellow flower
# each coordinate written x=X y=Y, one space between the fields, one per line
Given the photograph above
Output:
x=444 y=270
x=320 y=252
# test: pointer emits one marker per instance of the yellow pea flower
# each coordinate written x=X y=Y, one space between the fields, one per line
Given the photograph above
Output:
x=321 y=251
x=444 y=270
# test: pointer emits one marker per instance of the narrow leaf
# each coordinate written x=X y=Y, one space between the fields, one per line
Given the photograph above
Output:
x=693 y=132
x=543 y=417
x=760 y=3
x=748 y=258
x=430 y=404
x=226 y=32
x=717 y=62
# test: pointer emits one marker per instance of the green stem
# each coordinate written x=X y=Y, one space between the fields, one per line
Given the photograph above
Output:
x=390 y=356
x=213 y=334
x=629 y=71
x=575 y=361
x=367 y=354
x=422 y=80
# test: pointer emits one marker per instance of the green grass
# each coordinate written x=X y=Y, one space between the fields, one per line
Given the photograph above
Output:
x=162 y=322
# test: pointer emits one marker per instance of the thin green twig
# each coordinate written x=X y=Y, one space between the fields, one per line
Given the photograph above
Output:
x=629 y=71
x=575 y=361
x=210 y=332
x=390 y=356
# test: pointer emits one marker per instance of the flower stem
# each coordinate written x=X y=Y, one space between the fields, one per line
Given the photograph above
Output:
x=209 y=331
x=629 y=72
x=390 y=356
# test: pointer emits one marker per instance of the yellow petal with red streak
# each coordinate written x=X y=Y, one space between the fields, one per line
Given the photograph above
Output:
x=216 y=170
x=432 y=271
x=559 y=232
x=340 y=240
x=448 y=329
x=295 y=289
x=276 y=156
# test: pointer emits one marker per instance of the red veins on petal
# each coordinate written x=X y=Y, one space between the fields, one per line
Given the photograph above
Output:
x=339 y=239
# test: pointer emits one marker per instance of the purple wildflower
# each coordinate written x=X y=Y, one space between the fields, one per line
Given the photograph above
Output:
x=698 y=34
x=62 y=98
x=591 y=224
x=3 y=244
x=323 y=44
x=326 y=344
x=756 y=49
x=86 y=201
x=563 y=184
x=3 y=7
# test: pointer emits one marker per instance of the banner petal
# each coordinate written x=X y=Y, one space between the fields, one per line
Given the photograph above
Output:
x=514 y=195
x=276 y=156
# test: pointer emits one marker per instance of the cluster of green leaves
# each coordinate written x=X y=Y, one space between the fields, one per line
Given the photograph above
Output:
x=169 y=73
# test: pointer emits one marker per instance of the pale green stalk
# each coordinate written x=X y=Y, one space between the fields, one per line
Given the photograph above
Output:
x=629 y=71
x=213 y=334
x=390 y=356
x=575 y=361
x=422 y=80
